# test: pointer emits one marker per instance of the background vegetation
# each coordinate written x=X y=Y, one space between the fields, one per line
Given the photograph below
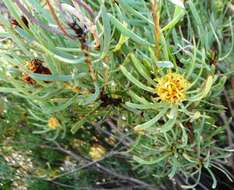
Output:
x=124 y=94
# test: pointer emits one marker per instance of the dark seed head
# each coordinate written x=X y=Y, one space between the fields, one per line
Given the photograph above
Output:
x=80 y=32
x=107 y=100
x=15 y=23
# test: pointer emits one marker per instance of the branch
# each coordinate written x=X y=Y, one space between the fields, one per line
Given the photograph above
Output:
x=86 y=6
x=155 y=14
x=116 y=128
x=34 y=20
x=104 y=169
x=53 y=13
x=126 y=178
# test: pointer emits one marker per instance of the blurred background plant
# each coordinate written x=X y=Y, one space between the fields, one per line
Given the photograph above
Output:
x=116 y=94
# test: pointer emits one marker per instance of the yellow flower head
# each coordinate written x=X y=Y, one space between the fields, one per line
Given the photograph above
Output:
x=97 y=152
x=171 y=88
x=53 y=123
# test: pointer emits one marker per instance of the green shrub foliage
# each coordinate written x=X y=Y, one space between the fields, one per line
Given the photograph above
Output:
x=109 y=93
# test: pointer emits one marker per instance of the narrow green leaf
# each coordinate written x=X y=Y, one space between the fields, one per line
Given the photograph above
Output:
x=172 y=120
x=195 y=184
x=143 y=106
x=218 y=88
x=140 y=68
x=151 y=122
x=134 y=12
x=178 y=3
x=77 y=126
x=54 y=77
x=214 y=184
x=125 y=31
x=135 y=81
x=145 y=162
x=184 y=136
x=204 y=91
x=178 y=15
x=62 y=106
x=138 y=98
x=121 y=42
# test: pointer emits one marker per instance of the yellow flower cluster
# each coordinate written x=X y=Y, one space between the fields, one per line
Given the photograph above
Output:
x=97 y=152
x=171 y=88
x=53 y=123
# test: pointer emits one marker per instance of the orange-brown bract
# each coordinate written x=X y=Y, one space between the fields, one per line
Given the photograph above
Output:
x=36 y=66
x=26 y=78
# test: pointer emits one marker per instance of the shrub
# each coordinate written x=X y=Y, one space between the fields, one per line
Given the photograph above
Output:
x=114 y=93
